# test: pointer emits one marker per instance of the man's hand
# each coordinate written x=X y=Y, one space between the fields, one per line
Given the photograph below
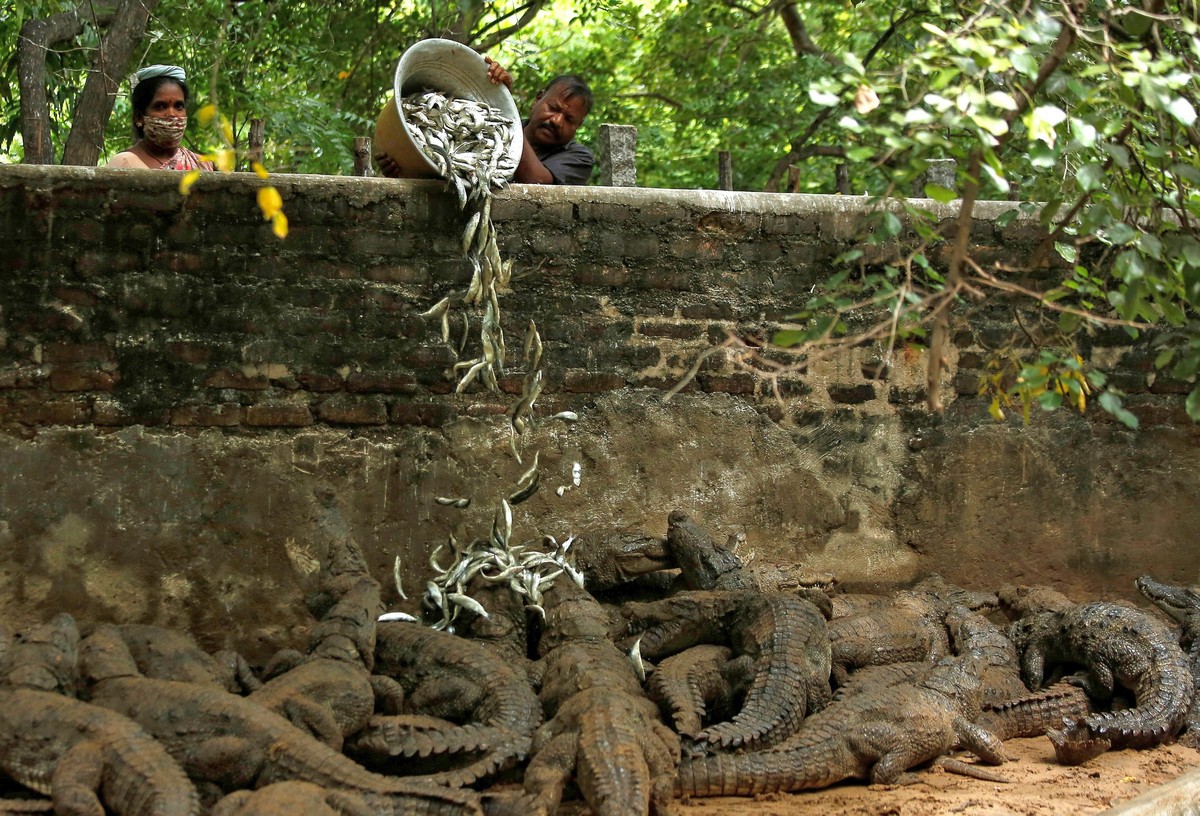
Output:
x=497 y=74
x=387 y=166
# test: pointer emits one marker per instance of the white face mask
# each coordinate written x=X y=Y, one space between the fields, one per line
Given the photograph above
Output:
x=164 y=131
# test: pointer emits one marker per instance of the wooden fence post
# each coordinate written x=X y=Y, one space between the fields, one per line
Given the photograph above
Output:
x=724 y=170
x=362 y=156
x=254 y=142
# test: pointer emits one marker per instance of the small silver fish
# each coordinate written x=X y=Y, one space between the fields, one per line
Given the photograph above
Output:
x=396 y=616
x=469 y=603
x=447 y=501
x=396 y=574
x=635 y=657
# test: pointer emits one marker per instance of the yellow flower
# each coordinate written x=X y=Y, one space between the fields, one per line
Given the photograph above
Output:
x=270 y=202
x=185 y=183
x=259 y=170
x=279 y=224
x=206 y=114
x=226 y=160
x=343 y=74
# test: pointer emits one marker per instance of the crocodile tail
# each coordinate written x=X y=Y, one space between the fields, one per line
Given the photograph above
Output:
x=751 y=774
x=1164 y=695
x=611 y=769
x=145 y=780
x=387 y=737
x=779 y=630
x=1034 y=714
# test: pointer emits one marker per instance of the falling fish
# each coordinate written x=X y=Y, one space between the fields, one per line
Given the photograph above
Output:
x=566 y=416
x=397 y=569
x=451 y=502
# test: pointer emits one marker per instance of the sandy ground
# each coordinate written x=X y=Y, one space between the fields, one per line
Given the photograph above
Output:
x=1039 y=787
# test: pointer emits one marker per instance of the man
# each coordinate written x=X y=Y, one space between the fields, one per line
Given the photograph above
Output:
x=551 y=155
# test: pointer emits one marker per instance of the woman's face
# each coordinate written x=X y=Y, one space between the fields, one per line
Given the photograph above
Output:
x=164 y=116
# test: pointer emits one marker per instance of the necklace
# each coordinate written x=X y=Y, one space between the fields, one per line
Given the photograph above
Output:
x=161 y=161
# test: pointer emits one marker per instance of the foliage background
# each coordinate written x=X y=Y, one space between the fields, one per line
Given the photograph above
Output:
x=1085 y=112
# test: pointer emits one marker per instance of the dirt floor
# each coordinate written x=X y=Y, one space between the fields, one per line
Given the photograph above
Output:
x=1039 y=787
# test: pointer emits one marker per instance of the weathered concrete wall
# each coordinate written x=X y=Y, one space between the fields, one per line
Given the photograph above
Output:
x=174 y=381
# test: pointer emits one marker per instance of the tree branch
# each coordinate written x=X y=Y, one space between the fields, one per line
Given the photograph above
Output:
x=36 y=39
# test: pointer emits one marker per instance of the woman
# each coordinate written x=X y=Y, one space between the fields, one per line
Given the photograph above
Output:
x=159 y=101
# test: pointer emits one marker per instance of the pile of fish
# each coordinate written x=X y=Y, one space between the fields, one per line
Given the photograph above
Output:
x=527 y=570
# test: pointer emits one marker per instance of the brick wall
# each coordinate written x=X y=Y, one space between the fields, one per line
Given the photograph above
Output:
x=174 y=379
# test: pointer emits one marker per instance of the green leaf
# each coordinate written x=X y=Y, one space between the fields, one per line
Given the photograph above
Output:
x=1049 y=400
x=859 y=154
x=1193 y=404
x=1066 y=251
x=1182 y=110
x=822 y=98
x=1025 y=63
x=891 y=224
x=1001 y=100
x=1120 y=233
x=788 y=338
x=1129 y=266
x=1090 y=177
x=940 y=194
x=1068 y=323
x=1111 y=402
x=996 y=179
x=1164 y=358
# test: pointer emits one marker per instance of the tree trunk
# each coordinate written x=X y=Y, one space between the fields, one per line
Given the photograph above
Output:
x=37 y=38
x=99 y=91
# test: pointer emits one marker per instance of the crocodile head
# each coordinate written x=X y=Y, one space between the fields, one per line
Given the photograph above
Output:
x=1019 y=601
x=45 y=657
x=611 y=560
x=939 y=587
x=700 y=559
x=1181 y=603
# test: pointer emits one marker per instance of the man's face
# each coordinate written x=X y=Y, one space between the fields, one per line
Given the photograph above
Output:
x=554 y=117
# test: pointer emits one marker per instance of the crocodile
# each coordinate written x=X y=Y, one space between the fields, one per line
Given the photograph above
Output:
x=878 y=734
x=168 y=654
x=909 y=628
x=908 y=625
x=616 y=560
x=294 y=798
x=845 y=604
x=785 y=636
x=603 y=730
x=330 y=692
x=1035 y=713
x=232 y=742
x=453 y=679
x=702 y=683
x=703 y=564
x=1001 y=676
x=86 y=758
x=1183 y=605
x=1118 y=644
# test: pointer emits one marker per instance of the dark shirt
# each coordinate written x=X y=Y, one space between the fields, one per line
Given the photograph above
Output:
x=570 y=164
